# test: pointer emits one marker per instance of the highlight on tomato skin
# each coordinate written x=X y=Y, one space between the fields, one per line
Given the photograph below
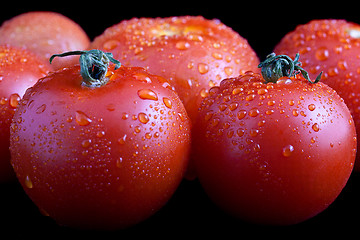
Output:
x=100 y=157
x=267 y=153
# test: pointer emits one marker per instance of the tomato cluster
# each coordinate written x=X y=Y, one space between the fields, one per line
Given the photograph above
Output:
x=105 y=144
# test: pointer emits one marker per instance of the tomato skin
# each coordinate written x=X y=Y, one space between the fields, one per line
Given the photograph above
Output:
x=19 y=69
x=102 y=158
x=45 y=33
x=268 y=153
x=192 y=52
x=331 y=46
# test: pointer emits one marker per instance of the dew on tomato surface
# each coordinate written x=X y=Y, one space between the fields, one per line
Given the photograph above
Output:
x=315 y=127
x=28 y=182
x=203 y=68
x=82 y=119
x=322 y=54
x=288 y=150
x=182 y=45
x=14 y=100
x=312 y=107
x=147 y=94
x=143 y=118
x=167 y=102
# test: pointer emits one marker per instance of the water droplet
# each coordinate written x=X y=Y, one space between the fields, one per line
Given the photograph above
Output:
x=311 y=107
x=82 y=119
x=322 y=54
x=241 y=114
x=182 y=45
x=28 y=182
x=228 y=71
x=122 y=139
x=143 y=77
x=119 y=162
x=41 y=109
x=100 y=134
x=254 y=112
x=217 y=55
x=143 y=118
x=203 y=68
x=287 y=150
x=233 y=106
x=14 y=100
x=257 y=147
x=262 y=91
x=315 y=127
x=110 y=107
x=110 y=45
x=295 y=112
x=167 y=102
x=147 y=94
x=86 y=143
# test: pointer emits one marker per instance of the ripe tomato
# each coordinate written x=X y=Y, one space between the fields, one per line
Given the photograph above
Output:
x=105 y=155
x=45 y=33
x=19 y=69
x=192 y=52
x=332 y=46
x=273 y=153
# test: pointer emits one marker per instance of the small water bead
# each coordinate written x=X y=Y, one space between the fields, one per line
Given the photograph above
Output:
x=28 y=182
x=203 y=68
x=254 y=112
x=311 y=107
x=315 y=127
x=241 y=114
x=14 y=100
x=182 y=45
x=167 y=102
x=322 y=54
x=287 y=150
x=147 y=94
x=143 y=118
x=82 y=119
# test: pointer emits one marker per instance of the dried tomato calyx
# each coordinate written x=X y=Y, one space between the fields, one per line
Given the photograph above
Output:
x=277 y=66
x=93 y=65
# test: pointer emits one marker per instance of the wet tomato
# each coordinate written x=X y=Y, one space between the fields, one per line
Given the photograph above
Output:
x=19 y=69
x=274 y=152
x=332 y=46
x=45 y=33
x=192 y=52
x=104 y=153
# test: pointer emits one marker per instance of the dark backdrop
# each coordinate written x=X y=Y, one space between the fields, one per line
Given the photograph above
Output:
x=189 y=212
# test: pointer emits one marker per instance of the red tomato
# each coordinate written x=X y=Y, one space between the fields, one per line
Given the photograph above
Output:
x=192 y=52
x=273 y=153
x=19 y=69
x=101 y=156
x=45 y=33
x=332 y=46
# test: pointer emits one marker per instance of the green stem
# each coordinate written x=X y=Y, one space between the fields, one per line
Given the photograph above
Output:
x=93 y=65
x=277 y=66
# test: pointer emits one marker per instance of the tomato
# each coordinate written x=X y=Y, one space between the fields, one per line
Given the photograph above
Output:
x=19 y=69
x=276 y=152
x=45 y=33
x=101 y=152
x=332 y=46
x=192 y=52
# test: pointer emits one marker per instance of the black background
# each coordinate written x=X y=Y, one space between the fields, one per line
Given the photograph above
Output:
x=189 y=212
